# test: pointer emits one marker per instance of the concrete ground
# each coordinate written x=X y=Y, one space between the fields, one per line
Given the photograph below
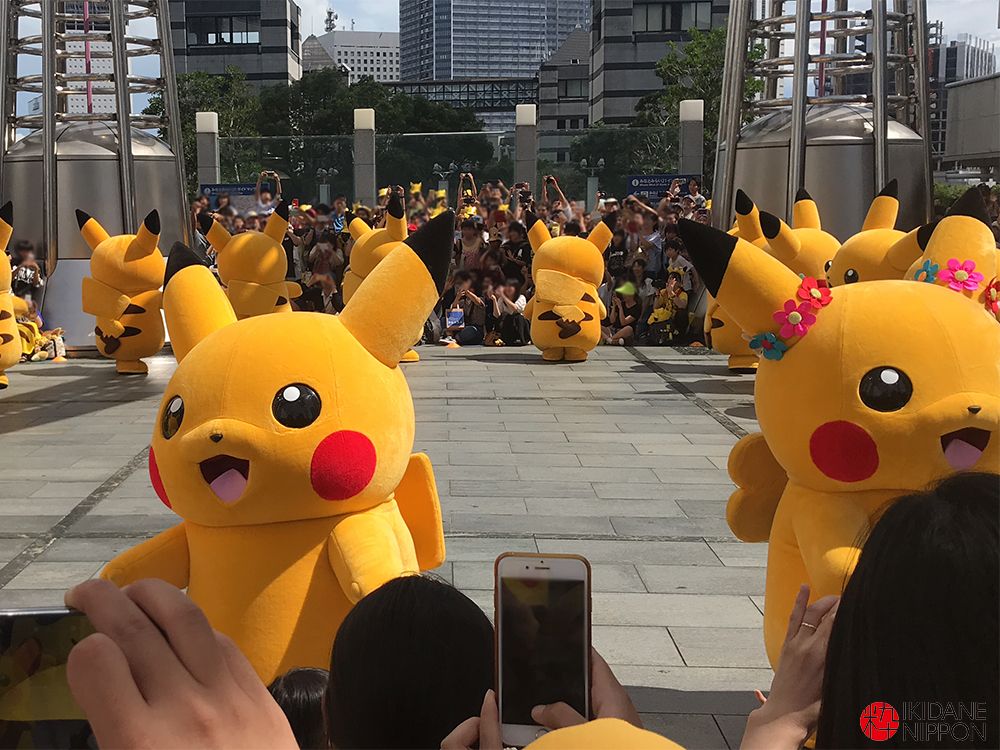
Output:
x=621 y=459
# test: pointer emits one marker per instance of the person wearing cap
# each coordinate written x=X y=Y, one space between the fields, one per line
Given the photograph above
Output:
x=626 y=308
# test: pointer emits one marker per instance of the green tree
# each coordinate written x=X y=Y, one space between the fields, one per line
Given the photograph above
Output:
x=231 y=97
x=694 y=70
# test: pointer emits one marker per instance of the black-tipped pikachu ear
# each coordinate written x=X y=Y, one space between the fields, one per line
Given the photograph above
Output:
x=146 y=239
x=805 y=212
x=884 y=208
x=395 y=218
x=214 y=232
x=782 y=241
x=387 y=312
x=6 y=226
x=538 y=234
x=600 y=236
x=194 y=304
x=91 y=230
x=747 y=218
x=971 y=204
x=277 y=223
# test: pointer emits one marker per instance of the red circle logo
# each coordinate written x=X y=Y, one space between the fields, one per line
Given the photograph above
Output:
x=879 y=721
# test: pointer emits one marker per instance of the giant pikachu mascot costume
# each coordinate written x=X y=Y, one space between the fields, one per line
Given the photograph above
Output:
x=284 y=443
x=371 y=246
x=864 y=393
x=10 y=341
x=253 y=265
x=123 y=292
x=566 y=312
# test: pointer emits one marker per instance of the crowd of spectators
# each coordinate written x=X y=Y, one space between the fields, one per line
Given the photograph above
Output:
x=649 y=289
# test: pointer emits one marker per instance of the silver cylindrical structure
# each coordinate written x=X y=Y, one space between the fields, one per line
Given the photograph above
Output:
x=123 y=107
x=923 y=92
x=800 y=78
x=50 y=178
x=880 y=91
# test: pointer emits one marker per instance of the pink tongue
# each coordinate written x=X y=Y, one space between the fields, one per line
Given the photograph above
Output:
x=961 y=455
x=229 y=486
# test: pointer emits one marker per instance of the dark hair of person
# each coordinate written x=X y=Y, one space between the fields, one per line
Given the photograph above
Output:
x=300 y=694
x=674 y=243
x=411 y=662
x=675 y=275
x=918 y=620
x=339 y=197
x=517 y=284
x=516 y=226
x=572 y=228
x=322 y=208
x=619 y=234
x=461 y=276
x=469 y=224
x=640 y=261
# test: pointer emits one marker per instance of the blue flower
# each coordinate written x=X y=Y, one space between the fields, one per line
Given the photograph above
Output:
x=928 y=272
x=768 y=345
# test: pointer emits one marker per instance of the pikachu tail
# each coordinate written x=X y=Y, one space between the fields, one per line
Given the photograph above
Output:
x=761 y=481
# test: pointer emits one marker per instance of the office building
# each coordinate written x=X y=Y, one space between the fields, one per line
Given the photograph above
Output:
x=260 y=37
x=448 y=39
x=564 y=96
x=628 y=38
x=360 y=54
x=952 y=61
x=973 y=134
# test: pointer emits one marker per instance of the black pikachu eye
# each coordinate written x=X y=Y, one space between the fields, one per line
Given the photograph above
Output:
x=173 y=415
x=296 y=405
x=885 y=389
x=850 y=276
x=827 y=266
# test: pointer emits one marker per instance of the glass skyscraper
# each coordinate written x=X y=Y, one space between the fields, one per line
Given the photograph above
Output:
x=447 y=39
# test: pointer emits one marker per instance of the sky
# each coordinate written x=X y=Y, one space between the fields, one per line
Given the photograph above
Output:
x=978 y=17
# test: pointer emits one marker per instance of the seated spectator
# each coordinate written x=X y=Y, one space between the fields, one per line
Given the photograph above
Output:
x=668 y=321
x=677 y=263
x=472 y=327
x=512 y=327
x=625 y=312
x=300 y=694
x=27 y=276
x=411 y=661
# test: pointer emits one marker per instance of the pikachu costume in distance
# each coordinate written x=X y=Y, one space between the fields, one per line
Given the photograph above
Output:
x=123 y=292
x=864 y=393
x=284 y=443
x=566 y=312
x=10 y=340
x=253 y=265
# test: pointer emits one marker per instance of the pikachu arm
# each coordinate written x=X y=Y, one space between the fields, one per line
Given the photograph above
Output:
x=106 y=304
x=417 y=498
x=294 y=289
x=364 y=553
x=829 y=529
x=165 y=556
x=250 y=298
x=529 y=309
x=760 y=482
x=152 y=300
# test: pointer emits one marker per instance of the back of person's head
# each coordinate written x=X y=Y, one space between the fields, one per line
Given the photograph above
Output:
x=411 y=662
x=300 y=694
x=517 y=229
x=572 y=228
x=917 y=623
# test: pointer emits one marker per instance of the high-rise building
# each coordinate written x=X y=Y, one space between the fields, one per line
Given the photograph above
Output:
x=260 y=37
x=564 y=96
x=628 y=38
x=448 y=39
x=360 y=54
x=952 y=61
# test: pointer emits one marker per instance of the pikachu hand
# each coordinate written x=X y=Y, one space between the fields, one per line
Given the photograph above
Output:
x=109 y=327
x=364 y=553
x=569 y=313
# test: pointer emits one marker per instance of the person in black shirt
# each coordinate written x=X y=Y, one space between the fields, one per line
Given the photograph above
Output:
x=516 y=251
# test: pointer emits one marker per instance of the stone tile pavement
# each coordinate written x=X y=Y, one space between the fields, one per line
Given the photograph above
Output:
x=621 y=459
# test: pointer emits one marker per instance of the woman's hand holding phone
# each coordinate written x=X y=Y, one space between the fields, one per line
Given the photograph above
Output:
x=607 y=697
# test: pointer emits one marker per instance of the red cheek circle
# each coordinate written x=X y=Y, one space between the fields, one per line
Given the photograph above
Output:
x=154 y=477
x=343 y=465
x=844 y=451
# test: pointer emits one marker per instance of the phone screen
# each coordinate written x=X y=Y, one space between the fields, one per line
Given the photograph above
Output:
x=543 y=624
x=36 y=707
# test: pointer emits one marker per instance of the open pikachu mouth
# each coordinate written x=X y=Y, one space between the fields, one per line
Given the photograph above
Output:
x=227 y=476
x=963 y=448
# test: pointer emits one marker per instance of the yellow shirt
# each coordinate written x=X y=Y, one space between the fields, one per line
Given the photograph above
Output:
x=603 y=734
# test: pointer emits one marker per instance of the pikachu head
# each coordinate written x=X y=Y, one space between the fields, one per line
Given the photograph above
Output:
x=806 y=249
x=886 y=385
x=130 y=263
x=6 y=230
x=878 y=251
x=960 y=254
x=580 y=258
x=289 y=417
x=371 y=246
x=256 y=257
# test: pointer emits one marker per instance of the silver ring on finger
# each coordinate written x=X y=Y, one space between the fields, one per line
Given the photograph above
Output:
x=809 y=625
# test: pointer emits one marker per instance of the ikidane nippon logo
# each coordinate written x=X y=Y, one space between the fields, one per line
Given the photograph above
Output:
x=925 y=721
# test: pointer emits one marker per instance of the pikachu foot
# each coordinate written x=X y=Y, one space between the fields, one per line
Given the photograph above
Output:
x=553 y=355
x=131 y=368
x=4 y=381
x=410 y=356
x=575 y=355
x=744 y=364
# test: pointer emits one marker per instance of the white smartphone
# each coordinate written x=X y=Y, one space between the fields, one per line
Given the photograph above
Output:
x=542 y=638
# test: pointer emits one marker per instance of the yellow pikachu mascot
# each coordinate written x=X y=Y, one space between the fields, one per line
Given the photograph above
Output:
x=371 y=246
x=806 y=249
x=10 y=340
x=253 y=265
x=863 y=393
x=878 y=251
x=123 y=292
x=291 y=464
x=566 y=312
x=960 y=254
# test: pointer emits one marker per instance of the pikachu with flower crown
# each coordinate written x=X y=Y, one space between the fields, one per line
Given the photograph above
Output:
x=864 y=392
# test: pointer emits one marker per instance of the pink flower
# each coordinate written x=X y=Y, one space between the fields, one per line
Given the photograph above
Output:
x=961 y=276
x=815 y=293
x=795 y=319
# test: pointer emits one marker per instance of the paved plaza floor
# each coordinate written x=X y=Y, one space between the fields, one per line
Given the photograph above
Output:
x=621 y=459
